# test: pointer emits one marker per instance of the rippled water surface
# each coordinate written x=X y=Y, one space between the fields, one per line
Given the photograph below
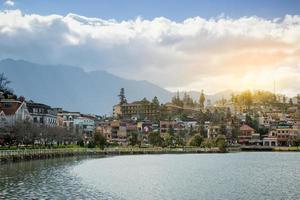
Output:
x=190 y=176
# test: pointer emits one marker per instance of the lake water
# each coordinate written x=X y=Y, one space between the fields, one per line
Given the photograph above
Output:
x=261 y=175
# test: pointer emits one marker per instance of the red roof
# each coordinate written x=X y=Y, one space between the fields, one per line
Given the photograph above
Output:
x=245 y=127
x=10 y=107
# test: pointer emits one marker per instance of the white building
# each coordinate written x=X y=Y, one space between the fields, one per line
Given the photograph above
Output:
x=12 y=111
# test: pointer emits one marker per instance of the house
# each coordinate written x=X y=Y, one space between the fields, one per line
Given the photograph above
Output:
x=246 y=134
x=42 y=114
x=104 y=129
x=271 y=139
x=144 y=126
x=169 y=126
x=285 y=135
x=65 y=119
x=84 y=125
x=118 y=131
x=12 y=111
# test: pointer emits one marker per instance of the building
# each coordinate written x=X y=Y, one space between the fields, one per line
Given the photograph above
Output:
x=143 y=109
x=42 y=114
x=246 y=134
x=285 y=135
x=144 y=127
x=12 y=111
x=104 y=129
x=117 y=113
x=66 y=119
x=170 y=126
x=84 y=125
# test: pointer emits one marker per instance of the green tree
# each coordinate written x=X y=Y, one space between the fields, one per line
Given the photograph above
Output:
x=176 y=100
x=291 y=101
x=122 y=96
x=296 y=142
x=220 y=142
x=170 y=140
x=155 y=139
x=284 y=99
x=196 y=140
x=155 y=101
x=223 y=129
x=298 y=100
x=133 y=139
x=99 y=140
x=171 y=130
x=4 y=83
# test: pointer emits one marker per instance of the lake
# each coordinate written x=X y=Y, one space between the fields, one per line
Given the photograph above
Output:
x=249 y=175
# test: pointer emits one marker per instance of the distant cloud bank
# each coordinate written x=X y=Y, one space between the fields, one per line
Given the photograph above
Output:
x=214 y=54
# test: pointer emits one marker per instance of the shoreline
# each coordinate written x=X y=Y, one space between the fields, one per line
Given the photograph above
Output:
x=36 y=154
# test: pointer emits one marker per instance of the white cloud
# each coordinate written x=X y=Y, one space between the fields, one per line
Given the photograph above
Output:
x=9 y=3
x=212 y=54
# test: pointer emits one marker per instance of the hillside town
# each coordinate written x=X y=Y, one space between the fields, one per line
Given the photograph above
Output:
x=258 y=118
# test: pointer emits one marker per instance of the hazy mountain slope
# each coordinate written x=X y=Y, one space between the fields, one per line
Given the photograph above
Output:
x=74 y=89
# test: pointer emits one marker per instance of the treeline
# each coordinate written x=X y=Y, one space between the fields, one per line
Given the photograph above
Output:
x=29 y=134
x=197 y=140
x=188 y=101
x=265 y=98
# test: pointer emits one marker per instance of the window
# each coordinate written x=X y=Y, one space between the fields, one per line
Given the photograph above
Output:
x=7 y=104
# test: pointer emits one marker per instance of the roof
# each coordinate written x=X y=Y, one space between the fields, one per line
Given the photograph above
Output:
x=245 y=127
x=10 y=107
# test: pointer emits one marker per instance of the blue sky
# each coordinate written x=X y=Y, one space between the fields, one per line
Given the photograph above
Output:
x=149 y=9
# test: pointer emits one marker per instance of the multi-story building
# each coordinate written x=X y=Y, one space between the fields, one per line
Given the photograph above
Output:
x=66 y=119
x=246 y=134
x=104 y=128
x=282 y=136
x=42 y=114
x=169 y=126
x=139 y=109
x=84 y=125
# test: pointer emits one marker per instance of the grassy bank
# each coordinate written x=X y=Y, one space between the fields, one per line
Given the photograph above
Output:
x=296 y=149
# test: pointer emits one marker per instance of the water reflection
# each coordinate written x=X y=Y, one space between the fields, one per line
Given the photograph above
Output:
x=194 y=176
x=45 y=179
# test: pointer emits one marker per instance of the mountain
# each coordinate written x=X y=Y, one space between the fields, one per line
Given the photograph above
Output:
x=73 y=88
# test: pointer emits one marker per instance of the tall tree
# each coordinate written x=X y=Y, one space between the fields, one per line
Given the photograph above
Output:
x=177 y=101
x=291 y=101
x=202 y=99
x=122 y=97
x=4 y=82
x=155 y=101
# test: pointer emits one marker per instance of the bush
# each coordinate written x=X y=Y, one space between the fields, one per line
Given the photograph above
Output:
x=196 y=140
x=221 y=143
x=80 y=143
x=91 y=144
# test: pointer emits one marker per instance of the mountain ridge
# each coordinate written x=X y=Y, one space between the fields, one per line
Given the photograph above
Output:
x=74 y=89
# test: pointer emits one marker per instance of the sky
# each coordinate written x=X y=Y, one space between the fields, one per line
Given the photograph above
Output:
x=178 y=45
